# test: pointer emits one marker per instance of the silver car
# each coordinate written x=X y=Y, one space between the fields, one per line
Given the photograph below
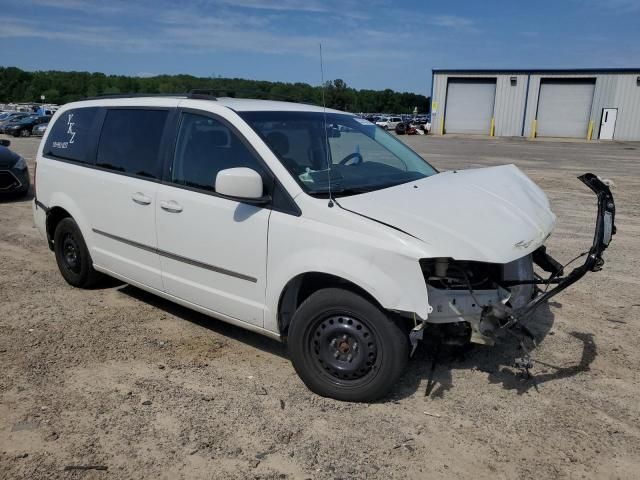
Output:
x=39 y=130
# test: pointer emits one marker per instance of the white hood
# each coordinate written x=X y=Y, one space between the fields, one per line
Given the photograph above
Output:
x=494 y=214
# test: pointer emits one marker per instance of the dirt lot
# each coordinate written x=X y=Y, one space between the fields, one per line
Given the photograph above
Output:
x=116 y=377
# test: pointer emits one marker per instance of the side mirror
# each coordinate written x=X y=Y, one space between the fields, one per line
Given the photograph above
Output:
x=241 y=184
x=5 y=143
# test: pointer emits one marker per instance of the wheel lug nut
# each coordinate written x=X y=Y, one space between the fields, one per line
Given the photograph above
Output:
x=355 y=345
x=344 y=338
x=336 y=354
x=333 y=342
x=349 y=358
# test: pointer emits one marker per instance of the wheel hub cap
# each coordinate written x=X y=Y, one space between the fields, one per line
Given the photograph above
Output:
x=344 y=347
x=71 y=253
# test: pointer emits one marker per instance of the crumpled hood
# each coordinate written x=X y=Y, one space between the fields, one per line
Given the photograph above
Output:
x=494 y=214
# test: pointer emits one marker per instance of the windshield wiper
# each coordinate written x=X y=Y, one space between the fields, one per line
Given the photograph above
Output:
x=345 y=190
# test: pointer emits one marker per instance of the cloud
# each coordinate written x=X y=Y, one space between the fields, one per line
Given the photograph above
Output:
x=282 y=5
x=453 y=21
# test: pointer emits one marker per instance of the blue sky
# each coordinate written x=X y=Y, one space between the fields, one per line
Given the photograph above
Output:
x=370 y=44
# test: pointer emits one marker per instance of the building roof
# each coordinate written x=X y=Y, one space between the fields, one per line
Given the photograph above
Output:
x=538 y=70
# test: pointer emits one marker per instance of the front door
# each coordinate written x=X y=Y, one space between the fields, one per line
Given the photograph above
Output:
x=213 y=250
x=608 y=123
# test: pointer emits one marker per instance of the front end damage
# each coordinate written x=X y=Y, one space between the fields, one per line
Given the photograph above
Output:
x=477 y=301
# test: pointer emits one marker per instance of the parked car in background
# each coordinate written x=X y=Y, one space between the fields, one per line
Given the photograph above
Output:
x=389 y=123
x=14 y=174
x=39 y=130
x=11 y=117
x=24 y=126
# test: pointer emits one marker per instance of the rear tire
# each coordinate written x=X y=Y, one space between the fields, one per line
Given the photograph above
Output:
x=344 y=347
x=72 y=255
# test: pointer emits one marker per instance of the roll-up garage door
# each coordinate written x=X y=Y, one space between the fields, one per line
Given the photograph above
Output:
x=470 y=105
x=564 y=107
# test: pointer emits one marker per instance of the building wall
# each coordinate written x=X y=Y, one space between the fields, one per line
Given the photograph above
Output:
x=612 y=90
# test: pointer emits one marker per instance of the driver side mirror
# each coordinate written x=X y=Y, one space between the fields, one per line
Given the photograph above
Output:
x=241 y=184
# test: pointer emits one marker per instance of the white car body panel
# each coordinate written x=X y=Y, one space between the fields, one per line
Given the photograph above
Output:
x=494 y=214
x=225 y=241
x=380 y=260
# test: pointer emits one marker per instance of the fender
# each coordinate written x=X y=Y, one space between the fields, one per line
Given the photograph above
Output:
x=388 y=269
x=62 y=200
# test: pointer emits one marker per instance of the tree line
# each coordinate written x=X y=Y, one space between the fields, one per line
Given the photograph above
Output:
x=17 y=85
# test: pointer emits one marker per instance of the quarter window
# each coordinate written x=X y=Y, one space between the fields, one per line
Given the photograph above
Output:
x=130 y=142
x=205 y=146
x=69 y=136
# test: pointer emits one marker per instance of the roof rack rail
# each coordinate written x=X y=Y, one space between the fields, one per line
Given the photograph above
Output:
x=194 y=94
x=201 y=94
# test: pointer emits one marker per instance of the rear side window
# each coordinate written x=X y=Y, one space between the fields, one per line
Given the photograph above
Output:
x=205 y=146
x=69 y=135
x=130 y=142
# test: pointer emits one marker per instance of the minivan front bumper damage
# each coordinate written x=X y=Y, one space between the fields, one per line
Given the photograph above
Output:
x=490 y=311
x=604 y=230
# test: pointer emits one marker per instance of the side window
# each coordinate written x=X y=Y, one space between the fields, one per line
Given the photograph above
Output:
x=130 y=141
x=204 y=147
x=69 y=135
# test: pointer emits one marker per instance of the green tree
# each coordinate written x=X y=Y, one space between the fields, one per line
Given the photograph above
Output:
x=60 y=87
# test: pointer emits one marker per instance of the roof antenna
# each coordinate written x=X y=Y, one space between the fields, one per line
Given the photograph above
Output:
x=326 y=135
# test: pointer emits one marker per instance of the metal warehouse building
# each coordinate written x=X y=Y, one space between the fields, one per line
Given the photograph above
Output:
x=590 y=104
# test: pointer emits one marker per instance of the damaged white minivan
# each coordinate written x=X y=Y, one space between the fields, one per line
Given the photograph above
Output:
x=307 y=225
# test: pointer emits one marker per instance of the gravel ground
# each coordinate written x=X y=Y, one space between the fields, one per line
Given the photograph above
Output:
x=115 y=377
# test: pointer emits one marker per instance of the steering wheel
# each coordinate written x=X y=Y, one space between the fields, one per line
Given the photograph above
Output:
x=351 y=156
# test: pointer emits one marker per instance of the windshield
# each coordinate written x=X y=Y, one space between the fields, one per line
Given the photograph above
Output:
x=362 y=156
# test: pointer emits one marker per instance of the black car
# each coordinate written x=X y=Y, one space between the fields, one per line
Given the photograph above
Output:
x=11 y=117
x=24 y=126
x=14 y=174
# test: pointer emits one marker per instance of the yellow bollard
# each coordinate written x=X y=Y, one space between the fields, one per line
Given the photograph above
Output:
x=534 y=125
x=590 y=130
x=492 y=129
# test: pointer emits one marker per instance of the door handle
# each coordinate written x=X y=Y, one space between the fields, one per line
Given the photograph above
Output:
x=140 y=198
x=170 y=206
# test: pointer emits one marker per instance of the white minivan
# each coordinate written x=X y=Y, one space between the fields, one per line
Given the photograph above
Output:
x=304 y=224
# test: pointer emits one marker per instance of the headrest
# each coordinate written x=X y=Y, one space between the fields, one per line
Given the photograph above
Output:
x=279 y=142
x=218 y=138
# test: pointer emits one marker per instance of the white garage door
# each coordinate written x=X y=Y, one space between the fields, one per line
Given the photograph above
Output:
x=470 y=105
x=564 y=108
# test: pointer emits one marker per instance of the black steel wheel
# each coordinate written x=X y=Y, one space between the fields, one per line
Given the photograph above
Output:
x=72 y=255
x=346 y=348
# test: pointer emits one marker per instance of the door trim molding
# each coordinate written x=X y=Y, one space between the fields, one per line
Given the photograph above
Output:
x=178 y=258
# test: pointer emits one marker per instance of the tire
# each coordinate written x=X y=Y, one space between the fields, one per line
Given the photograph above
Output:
x=344 y=347
x=72 y=255
x=17 y=133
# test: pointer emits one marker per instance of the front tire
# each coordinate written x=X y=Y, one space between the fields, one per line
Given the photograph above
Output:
x=344 y=347
x=72 y=255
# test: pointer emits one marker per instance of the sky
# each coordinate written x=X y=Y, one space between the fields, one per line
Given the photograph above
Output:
x=373 y=44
